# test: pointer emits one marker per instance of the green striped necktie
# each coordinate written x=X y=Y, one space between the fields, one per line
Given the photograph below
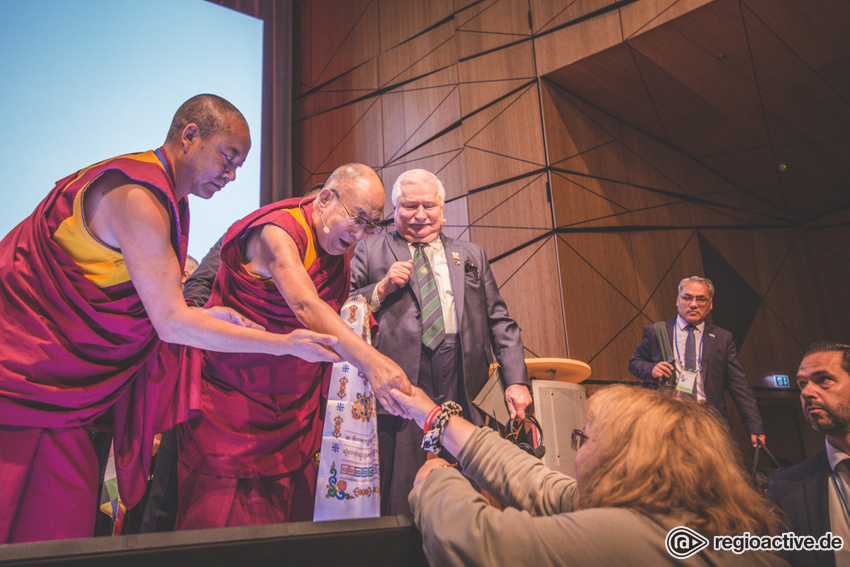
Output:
x=433 y=325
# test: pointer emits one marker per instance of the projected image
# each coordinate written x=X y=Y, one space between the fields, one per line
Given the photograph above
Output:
x=88 y=80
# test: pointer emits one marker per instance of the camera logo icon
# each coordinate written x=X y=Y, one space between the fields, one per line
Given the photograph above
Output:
x=683 y=542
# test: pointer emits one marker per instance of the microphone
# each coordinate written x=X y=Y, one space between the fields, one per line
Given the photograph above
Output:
x=325 y=228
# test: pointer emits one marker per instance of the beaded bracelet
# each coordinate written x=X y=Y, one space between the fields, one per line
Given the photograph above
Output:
x=431 y=415
x=433 y=440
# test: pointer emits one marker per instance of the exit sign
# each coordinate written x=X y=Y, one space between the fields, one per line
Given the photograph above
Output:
x=781 y=380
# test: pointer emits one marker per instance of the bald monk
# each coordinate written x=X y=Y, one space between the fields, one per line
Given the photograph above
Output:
x=91 y=290
x=250 y=458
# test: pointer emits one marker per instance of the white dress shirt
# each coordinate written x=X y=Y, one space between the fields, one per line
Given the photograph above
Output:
x=839 y=521
x=436 y=254
x=681 y=334
x=440 y=268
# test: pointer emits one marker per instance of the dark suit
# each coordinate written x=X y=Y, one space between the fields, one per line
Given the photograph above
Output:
x=482 y=319
x=721 y=371
x=802 y=493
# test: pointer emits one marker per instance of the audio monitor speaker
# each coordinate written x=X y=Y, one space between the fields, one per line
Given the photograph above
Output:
x=560 y=408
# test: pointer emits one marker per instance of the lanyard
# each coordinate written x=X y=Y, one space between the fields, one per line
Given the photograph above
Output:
x=840 y=492
x=699 y=356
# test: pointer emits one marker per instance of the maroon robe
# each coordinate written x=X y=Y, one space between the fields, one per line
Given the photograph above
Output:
x=262 y=414
x=69 y=353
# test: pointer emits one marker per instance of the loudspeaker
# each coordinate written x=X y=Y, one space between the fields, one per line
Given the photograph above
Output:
x=560 y=408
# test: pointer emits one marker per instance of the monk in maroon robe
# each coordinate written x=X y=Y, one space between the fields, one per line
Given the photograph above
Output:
x=249 y=458
x=90 y=287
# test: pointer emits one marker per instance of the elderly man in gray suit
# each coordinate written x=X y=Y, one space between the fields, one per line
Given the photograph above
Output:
x=441 y=318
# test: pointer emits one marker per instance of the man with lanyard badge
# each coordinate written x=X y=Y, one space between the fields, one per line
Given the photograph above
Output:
x=705 y=357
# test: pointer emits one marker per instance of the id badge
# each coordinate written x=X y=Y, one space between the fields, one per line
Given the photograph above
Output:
x=687 y=381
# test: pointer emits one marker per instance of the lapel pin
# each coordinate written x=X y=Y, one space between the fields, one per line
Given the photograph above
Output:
x=711 y=335
x=457 y=262
x=455 y=256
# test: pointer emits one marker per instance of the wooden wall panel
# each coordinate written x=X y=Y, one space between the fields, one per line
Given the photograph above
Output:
x=798 y=22
x=617 y=162
x=512 y=62
x=740 y=86
x=504 y=141
x=574 y=43
x=794 y=297
x=619 y=198
x=831 y=235
x=662 y=304
x=769 y=334
x=507 y=18
x=474 y=97
x=348 y=134
x=401 y=20
x=508 y=131
x=348 y=88
x=611 y=364
x=656 y=280
x=755 y=254
x=522 y=203
x=640 y=17
x=608 y=253
x=332 y=37
x=549 y=14
x=686 y=105
x=440 y=156
x=431 y=51
x=569 y=132
x=752 y=168
x=533 y=273
x=589 y=299
x=507 y=216
x=831 y=270
x=457 y=219
x=419 y=112
x=797 y=100
x=590 y=78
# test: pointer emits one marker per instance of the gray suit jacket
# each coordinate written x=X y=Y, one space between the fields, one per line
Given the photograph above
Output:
x=482 y=315
x=721 y=371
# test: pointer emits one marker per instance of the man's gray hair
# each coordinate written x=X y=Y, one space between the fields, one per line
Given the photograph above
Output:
x=698 y=279
x=418 y=177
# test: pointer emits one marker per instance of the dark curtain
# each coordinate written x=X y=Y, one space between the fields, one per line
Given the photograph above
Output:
x=276 y=162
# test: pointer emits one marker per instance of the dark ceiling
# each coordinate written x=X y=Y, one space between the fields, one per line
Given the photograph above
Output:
x=758 y=91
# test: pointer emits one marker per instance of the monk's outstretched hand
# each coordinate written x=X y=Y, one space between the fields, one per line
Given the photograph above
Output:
x=312 y=346
x=384 y=375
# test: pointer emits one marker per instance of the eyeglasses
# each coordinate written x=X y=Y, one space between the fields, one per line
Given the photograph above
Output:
x=357 y=222
x=228 y=161
x=578 y=439
x=701 y=300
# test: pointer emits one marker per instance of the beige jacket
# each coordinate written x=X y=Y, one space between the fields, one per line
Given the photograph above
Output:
x=459 y=526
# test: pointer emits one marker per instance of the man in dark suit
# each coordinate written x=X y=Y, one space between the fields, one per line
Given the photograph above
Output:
x=814 y=494
x=705 y=360
x=440 y=335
